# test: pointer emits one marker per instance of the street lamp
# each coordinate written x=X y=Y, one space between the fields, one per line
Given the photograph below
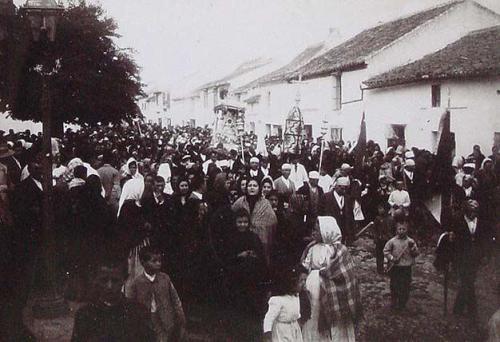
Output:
x=42 y=16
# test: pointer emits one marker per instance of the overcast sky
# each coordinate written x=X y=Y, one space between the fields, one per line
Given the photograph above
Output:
x=179 y=42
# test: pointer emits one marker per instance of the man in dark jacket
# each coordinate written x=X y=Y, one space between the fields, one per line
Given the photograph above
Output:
x=338 y=204
x=472 y=241
x=312 y=196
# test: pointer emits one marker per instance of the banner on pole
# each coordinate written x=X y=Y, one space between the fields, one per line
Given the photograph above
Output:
x=294 y=131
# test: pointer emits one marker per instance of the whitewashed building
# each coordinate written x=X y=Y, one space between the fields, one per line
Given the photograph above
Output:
x=155 y=108
x=197 y=107
x=464 y=77
x=331 y=87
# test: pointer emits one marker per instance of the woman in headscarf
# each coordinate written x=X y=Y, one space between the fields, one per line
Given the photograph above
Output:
x=134 y=232
x=219 y=195
x=245 y=271
x=131 y=171
x=262 y=217
x=267 y=185
x=165 y=171
x=332 y=285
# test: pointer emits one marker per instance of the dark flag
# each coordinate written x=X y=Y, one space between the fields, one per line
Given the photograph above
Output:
x=360 y=148
x=442 y=179
x=442 y=173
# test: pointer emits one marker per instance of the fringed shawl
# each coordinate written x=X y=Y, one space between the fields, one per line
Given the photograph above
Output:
x=340 y=299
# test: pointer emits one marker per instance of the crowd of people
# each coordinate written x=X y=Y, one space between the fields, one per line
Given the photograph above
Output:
x=230 y=227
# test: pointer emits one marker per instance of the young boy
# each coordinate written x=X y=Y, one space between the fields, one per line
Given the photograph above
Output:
x=109 y=316
x=400 y=252
x=383 y=231
x=155 y=291
x=399 y=199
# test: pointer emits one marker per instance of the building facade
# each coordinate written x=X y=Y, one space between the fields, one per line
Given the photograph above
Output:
x=330 y=85
x=463 y=78
x=155 y=108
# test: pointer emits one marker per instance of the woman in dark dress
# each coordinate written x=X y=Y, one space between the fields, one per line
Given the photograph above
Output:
x=219 y=195
x=246 y=271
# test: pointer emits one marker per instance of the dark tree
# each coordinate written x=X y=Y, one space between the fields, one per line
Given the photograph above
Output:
x=94 y=81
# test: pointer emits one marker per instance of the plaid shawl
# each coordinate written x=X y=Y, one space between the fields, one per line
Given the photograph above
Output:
x=340 y=299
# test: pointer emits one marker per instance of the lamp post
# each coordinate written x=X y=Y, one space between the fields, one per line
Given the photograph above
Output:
x=42 y=16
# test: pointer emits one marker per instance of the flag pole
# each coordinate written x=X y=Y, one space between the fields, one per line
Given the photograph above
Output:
x=321 y=154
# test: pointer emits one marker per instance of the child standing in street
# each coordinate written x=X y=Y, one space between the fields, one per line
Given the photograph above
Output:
x=109 y=316
x=155 y=291
x=281 y=320
x=400 y=252
x=383 y=231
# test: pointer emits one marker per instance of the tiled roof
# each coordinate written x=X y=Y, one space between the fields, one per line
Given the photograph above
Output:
x=352 y=53
x=240 y=70
x=281 y=74
x=475 y=55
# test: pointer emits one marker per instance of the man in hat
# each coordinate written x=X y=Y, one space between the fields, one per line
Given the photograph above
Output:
x=312 y=193
x=210 y=163
x=284 y=185
x=235 y=162
x=255 y=171
x=340 y=205
x=410 y=178
x=298 y=173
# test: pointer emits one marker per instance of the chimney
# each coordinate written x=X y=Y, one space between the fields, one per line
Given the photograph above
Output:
x=334 y=37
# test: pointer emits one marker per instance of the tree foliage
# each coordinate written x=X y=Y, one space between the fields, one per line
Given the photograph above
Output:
x=94 y=81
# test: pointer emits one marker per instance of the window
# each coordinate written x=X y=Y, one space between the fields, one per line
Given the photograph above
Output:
x=337 y=93
x=160 y=122
x=336 y=134
x=205 y=99
x=216 y=97
x=436 y=95
x=166 y=103
x=268 y=130
x=192 y=122
x=496 y=140
x=396 y=135
x=252 y=127
x=277 y=130
x=269 y=98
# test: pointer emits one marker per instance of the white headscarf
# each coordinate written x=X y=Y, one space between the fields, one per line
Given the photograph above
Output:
x=165 y=172
x=137 y=174
x=132 y=190
x=330 y=230
x=485 y=160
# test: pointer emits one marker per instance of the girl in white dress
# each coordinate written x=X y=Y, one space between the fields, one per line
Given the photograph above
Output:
x=315 y=258
x=281 y=320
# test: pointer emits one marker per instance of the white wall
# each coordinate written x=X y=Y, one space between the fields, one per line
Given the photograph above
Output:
x=475 y=113
x=156 y=107
x=432 y=36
